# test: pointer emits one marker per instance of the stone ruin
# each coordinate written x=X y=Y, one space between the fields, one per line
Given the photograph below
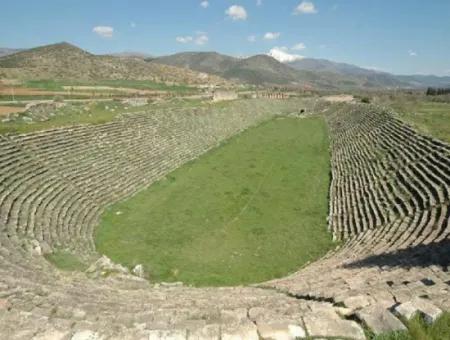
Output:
x=389 y=207
x=135 y=102
x=222 y=95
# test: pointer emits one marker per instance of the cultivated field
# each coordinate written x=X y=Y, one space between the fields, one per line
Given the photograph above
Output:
x=222 y=219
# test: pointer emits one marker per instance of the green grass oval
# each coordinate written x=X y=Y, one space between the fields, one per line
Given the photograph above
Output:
x=250 y=210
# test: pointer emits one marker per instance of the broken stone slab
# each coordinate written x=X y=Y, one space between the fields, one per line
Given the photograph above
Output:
x=208 y=332
x=425 y=308
x=138 y=270
x=358 y=301
x=175 y=334
x=86 y=335
x=329 y=324
x=104 y=267
x=50 y=335
x=242 y=331
x=280 y=331
x=380 y=320
x=234 y=316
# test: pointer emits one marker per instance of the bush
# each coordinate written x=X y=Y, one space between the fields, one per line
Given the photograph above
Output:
x=365 y=100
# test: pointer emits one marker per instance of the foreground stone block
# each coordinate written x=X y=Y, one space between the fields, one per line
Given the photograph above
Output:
x=86 y=335
x=244 y=331
x=209 y=332
x=329 y=324
x=50 y=335
x=380 y=320
x=359 y=301
x=418 y=305
x=281 y=331
x=167 y=335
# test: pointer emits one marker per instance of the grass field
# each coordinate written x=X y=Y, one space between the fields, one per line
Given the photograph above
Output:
x=429 y=117
x=250 y=210
x=66 y=261
x=58 y=85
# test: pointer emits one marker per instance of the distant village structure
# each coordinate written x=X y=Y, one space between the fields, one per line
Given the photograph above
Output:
x=221 y=95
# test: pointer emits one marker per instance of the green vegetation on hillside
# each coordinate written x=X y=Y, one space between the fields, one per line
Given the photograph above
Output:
x=58 y=85
x=95 y=113
x=418 y=329
x=431 y=116
x=89 y=113
x=250 y=210
x=66 y=261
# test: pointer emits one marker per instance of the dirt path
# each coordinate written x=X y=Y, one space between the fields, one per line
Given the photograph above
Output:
x=341 y=98
x=5 y=110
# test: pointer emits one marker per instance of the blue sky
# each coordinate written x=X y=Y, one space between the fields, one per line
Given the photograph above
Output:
x=399 y=36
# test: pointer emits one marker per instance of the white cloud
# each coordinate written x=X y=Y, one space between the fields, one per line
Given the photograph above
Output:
x=281 y=54
x=298 y=47
x=251 y=38
x=104 y=31
x=201 y=39
x=305 y=7
x=204 y=4
x=258 y=2
x=184 y=40
x=412 y=53
x=236 y=12
x=272 y=35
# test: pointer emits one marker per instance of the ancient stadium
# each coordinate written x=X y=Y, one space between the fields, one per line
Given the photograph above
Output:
x=388 y=205
x=216 y=170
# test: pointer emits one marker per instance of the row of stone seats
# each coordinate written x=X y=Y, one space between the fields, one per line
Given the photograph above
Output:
x=390 y=208
x=368 y=270
x=382 y=173
x=55 y=184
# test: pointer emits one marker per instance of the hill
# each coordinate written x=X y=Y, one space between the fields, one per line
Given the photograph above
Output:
x=263 y=69
x=65 y=61
x=256 y=70
x=8 y=51
x=130 y=54
x=370 y=78
x=319 y=73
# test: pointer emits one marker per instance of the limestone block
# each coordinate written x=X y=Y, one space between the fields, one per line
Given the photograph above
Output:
x=358 y=301
x=208 y=332
x=329 y=324
x=418 y=305
x=86 y=335
x=281 y=331
x=380 y=320
x=138 y=270
x=243 y=331
x=175 y=334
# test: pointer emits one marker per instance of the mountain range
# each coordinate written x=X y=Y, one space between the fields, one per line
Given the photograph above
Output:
x=65 y=61
x=320 y=73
